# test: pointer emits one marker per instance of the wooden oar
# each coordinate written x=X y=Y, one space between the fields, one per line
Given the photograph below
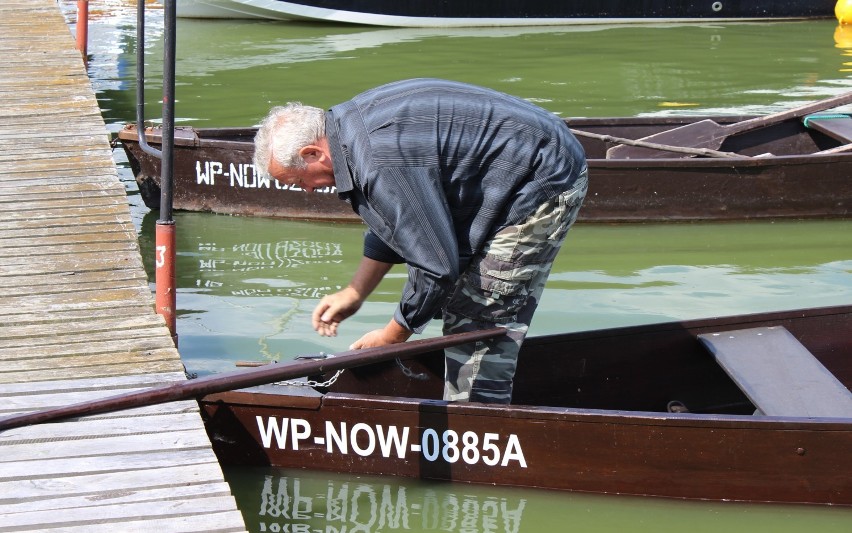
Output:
x=708 y=134
x=248 y=378
x=655 y=146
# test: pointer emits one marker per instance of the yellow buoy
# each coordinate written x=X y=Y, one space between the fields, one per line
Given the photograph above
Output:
x=843 y=11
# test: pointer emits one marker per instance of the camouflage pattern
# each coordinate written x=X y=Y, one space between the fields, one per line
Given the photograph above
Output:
x=503 y=287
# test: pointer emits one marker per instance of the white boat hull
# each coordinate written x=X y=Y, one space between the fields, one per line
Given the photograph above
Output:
x=472 y=13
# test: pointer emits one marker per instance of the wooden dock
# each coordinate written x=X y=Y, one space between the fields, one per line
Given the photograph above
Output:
x=76 y=315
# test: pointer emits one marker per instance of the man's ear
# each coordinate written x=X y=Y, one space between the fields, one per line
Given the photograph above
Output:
x=312 y=153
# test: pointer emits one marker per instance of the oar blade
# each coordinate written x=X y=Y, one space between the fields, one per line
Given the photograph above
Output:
x=704 y=134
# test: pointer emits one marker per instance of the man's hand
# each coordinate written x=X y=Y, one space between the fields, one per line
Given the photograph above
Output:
x=333 y=309
x=393 y=333
x=337 y=307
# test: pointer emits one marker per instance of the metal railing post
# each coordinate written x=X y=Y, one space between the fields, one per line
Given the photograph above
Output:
x=165 y=256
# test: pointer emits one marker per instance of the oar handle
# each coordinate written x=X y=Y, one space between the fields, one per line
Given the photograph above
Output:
x=249 y=378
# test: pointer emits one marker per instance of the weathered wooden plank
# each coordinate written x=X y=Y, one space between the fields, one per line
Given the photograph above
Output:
x=96 y=310
x=209 y=522
x=97 y=227
x=94 y=204
x=76 y=250
x=93 y=372
x=59 y=398
x=123 y=347
x=87 y=151
x=98 y=485
x=22 y=192
x=81 y=236
x=119 y=513
x=52 y=283
x=151 y=410
x=89 y=428
x=10 y=336
x=33 y=132
x=75 y=345
x=22 y=177
x=27 y=107
x=11 y=225
x=72 y=300
x=56 y=165
x=185 y=439
x=59 y=262
x=185 y=492
x=778 y=374
x=115 y=462
x=66 y=213
x=35 y=189
x=132 y=354
x=120 y=382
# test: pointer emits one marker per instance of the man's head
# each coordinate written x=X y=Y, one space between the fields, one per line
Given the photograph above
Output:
x=291 y=140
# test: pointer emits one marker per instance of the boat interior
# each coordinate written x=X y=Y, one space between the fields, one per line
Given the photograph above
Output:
x=789 y=368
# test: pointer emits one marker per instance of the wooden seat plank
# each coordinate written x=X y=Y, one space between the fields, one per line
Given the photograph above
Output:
x=778 y=374
x=838 y=127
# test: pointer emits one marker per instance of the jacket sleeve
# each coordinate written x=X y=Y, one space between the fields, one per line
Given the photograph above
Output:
x=375 y=248
x=408 y=212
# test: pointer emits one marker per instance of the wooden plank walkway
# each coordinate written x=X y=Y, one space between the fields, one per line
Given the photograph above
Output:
x=76 y=315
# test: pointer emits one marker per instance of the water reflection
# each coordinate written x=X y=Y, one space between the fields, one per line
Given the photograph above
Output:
x=365 y=507
x=308 y=503
x=843 y=41
x=274 y=500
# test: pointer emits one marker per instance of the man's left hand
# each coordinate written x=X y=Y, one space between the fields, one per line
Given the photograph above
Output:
x=393 y=333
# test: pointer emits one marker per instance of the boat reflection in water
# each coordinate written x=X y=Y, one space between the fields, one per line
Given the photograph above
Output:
x=335 y=504
x=279 y=501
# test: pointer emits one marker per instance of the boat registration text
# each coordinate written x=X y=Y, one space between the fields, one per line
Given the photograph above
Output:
x=450 y=446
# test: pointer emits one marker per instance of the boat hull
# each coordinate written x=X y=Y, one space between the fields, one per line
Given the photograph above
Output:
x=213 y=172
x=590 y=415
x=506 y=13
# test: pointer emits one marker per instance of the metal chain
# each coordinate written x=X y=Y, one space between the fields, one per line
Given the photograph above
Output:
x=410 y=373
x=310 y=382
x=329 y=382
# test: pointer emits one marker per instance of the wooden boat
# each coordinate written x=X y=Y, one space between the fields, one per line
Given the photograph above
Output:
x=213 y=172
x=508 y=13
x=749 y=408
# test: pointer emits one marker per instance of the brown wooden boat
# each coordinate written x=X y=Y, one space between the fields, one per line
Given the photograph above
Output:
x=749 y=408
x=774 y=171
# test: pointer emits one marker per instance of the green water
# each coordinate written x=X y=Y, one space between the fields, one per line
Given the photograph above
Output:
x=247 y=286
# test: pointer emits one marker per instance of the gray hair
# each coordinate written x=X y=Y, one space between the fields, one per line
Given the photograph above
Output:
x=304 y=125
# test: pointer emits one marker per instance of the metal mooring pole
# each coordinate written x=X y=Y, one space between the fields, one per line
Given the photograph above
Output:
x=165 y=280
x=82 y=29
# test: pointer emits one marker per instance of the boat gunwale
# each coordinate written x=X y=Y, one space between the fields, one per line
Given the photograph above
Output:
x=211 y=138
x=533 y=413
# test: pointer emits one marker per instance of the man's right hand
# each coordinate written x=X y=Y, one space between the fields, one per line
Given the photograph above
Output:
x=335 y=308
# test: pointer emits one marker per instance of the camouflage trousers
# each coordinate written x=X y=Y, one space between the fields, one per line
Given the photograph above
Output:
x=503 y=286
